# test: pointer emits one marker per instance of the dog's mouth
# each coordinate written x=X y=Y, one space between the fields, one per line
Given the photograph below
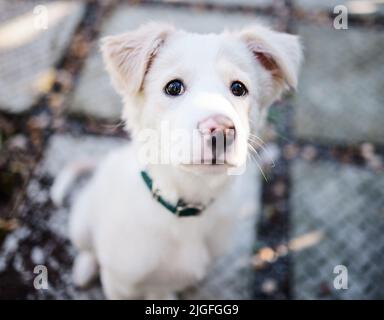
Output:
x=214 y=161
x=216 y=155
x=212 y=164
x=207 y=168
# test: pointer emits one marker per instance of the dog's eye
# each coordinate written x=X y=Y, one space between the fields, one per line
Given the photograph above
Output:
x=238 y=89
x=174 y=88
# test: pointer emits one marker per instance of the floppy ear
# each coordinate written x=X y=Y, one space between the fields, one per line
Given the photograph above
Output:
x=128 y=56
x=279 y=53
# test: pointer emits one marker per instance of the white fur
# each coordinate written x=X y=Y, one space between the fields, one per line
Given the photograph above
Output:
x=67 y=177
x=142 y=249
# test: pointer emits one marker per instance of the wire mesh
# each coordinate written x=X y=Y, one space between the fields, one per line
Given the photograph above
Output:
x=321 y=206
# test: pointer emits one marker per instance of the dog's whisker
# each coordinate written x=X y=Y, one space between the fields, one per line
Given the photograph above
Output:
x=255 y=142
x=261 y=170
x=257 y=163
x=254 y=136
x=255 y=151
x=120 y=124
x=273 y=164
x=258 y=144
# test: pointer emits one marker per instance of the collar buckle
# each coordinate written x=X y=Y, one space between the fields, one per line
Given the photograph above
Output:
x=186 y=209
x=181 y=209
x=156 y=194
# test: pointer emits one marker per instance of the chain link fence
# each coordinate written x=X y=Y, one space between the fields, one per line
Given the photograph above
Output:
x=321 y=206
x=336 y=194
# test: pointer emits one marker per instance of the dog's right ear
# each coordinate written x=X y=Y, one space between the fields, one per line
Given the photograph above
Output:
x=279 y=53
x=128 y=56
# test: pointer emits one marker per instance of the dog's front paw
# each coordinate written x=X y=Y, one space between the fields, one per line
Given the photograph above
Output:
x=85 y=269
x=161 y=296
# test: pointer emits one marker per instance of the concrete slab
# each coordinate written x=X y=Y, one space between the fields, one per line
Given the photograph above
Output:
x=94 y=94
x=357 y=7
x=64 y=149
x=33 y=37
x=337 y=219
x=248 y=3
x=319 y=5
x=340 y=94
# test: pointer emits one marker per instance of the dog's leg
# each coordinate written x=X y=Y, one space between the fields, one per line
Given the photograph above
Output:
x=219 y=241
x=114 y=289
x=85 y=269
x=67 y=177
x=80 y=222
x=161 y=296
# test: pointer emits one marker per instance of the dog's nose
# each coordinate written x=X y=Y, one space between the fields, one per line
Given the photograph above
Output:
x=216 y=124
x=218 y=132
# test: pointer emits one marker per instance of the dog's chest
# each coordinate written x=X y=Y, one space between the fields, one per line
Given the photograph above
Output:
x=184 y=259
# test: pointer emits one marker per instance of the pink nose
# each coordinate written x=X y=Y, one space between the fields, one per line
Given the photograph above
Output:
x=218 y=132
x=216 y=124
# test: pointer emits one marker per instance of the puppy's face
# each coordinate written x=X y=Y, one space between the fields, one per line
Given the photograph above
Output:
x=199 y=96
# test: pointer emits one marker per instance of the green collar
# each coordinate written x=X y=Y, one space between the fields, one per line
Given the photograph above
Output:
x=181 y=209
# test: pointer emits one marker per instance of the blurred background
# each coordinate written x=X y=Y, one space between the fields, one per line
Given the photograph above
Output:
x=321 y=204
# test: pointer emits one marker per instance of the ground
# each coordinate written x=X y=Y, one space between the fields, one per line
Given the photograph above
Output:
x=320 y=205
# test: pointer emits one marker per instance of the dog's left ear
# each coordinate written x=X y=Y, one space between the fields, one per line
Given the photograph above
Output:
x=279 y=53
x=128 y=56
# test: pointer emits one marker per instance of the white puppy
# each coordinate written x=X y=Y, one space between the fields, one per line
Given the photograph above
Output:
x=151 y=228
